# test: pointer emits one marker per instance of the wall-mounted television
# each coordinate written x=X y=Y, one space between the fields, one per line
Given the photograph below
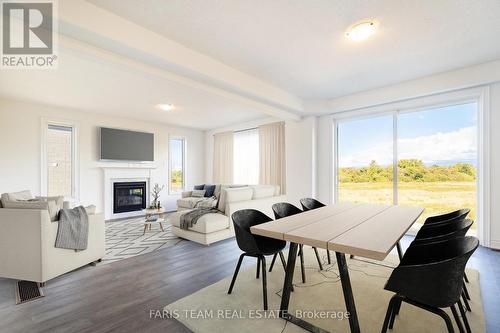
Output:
x=124 y=145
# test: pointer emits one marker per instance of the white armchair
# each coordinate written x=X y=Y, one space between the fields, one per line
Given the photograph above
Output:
x=27 y=245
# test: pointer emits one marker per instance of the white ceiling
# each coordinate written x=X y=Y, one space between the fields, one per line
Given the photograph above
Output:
x=300 y=46
x=87 y=83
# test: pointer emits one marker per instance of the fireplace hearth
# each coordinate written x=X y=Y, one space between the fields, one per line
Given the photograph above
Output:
x=129 y=196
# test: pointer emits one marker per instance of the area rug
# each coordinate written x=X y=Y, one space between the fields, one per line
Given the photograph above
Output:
x=213 y=310
x=126 y=239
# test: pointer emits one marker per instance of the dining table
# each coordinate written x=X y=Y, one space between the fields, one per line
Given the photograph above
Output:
x=362 y=230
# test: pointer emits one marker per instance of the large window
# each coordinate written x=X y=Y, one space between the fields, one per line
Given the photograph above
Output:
x=246 y=157
x=177 y=165
x=60 y=160
x=424 y=158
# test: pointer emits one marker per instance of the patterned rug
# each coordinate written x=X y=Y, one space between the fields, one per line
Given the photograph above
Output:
x=126 y=239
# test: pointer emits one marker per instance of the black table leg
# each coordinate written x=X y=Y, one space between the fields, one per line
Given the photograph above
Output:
x=347 y=289
x=287 y=289
x=287 y=284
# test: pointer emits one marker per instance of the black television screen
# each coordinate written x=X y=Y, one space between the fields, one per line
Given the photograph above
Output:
x=123 y=145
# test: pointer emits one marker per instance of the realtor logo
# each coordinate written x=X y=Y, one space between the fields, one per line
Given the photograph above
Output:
x=28 y=34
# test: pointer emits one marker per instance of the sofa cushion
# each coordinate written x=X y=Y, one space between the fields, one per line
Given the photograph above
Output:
x=263 y=191
x=199 y=187
x=222 y=196
x=209 y=190
x=22 y=195
x=238 y=194
x=198 y=193
x=49 y=206
x=206 y=224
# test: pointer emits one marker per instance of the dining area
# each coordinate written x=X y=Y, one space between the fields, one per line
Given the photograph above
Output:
x=429 y=276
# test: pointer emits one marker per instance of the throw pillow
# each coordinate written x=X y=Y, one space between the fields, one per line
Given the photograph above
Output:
x=209 y=190
x=199 y=187
x=198 y=193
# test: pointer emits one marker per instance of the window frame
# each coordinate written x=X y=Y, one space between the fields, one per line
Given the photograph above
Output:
x=480 y=96
x=184 y=166
x=75 y=176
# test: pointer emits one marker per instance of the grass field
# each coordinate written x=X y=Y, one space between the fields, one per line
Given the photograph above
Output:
x=435 y=197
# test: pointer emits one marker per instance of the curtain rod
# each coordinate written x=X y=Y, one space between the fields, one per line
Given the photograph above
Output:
x=246 y=129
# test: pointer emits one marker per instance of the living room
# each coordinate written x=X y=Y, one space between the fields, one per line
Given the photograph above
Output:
x=150 y=148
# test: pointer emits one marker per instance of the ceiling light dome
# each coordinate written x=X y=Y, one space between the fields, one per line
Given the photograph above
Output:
x=361 y=31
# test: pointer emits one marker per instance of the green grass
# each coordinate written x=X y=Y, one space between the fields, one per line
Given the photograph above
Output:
x=435 y=197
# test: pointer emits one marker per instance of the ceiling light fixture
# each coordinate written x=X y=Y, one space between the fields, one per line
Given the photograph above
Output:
x=165 y=107
x=361 y=31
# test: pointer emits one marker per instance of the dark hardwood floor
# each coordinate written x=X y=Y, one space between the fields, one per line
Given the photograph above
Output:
x=118 y=297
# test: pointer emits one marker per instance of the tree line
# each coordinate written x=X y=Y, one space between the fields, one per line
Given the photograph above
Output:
x=411 y=170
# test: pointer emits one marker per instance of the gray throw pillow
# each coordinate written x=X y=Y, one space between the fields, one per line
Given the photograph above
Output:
x=198 y=193
x=199 y=187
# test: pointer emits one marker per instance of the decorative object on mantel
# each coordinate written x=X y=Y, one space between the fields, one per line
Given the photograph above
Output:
x=156 y=196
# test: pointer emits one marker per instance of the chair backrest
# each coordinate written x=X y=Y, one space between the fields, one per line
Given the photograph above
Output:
x=432 y=273
x=442 y=231
x=458 y=214
x=284 y=209
x=243 y=220
x=310 y=203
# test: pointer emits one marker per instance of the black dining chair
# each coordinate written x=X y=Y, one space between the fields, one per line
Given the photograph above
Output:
x=310 y=204
x=430 y=276
x=254 y=245
x=284 y=209
x=460 y=214
x=448 y=229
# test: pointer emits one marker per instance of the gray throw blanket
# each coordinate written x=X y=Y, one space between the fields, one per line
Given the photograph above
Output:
x=73 y=229
x=190 y=218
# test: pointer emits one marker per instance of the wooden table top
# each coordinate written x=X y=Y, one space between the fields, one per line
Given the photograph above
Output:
x=364 y=230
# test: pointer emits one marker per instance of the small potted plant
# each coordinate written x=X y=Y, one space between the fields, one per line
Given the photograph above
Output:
x=155 y=193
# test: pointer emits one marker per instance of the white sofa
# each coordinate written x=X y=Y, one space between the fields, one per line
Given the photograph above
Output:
x=214 y=227
x=27 y=245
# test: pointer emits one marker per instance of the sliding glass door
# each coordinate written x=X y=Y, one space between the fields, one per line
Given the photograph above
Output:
x=437 y=159
x=365 y=159
x=433 y=150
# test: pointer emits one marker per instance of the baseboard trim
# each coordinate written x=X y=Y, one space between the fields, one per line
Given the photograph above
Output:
x=494 y=244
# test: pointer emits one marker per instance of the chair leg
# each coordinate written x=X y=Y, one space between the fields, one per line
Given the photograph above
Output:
x=272 y=262
x=438 y=311
x=258 y=268
x=466 y=302
x=388 y=314
x=302 y=267
x=264 y=281
x=466 y=292
x=400 y=250
x=235 y=273
x=318 y=258
x=464 y=317
x=466 y=278
x=457 y=318
x=328 y=257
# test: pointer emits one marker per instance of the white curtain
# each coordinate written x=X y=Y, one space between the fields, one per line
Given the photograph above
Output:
x=223 y=158
x=246 y=157
x=272 y=161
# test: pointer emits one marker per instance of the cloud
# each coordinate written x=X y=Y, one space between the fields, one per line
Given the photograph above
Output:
x=456 y=145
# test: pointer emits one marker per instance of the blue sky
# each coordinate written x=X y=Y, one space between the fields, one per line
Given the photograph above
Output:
x=437 y=136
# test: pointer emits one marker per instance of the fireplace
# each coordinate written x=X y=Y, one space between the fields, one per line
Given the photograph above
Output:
x=129 y=196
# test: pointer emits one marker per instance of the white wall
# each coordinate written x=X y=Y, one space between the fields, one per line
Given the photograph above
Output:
x=300 y=138
x=20 y=149
x=495 y=164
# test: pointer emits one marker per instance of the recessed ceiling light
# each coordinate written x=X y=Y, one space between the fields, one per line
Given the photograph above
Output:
x=361 y=31
x=165 y=107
